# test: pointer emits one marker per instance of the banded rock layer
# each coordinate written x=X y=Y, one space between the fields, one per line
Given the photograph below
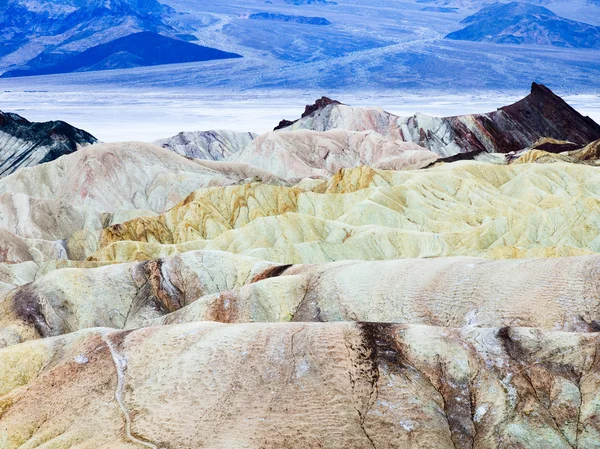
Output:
x=511 y=128
x=349 y=385
x=465 y=208
x=25 y=144
x=333 y=284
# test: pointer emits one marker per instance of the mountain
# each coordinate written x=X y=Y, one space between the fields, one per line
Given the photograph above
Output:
x=25 y=144
x=139 y=49
x=32 y=28
x=523 y=23
x=511 y=128
x=210 y=145
x=63 y=36
x=395 y=46
x=289 y=18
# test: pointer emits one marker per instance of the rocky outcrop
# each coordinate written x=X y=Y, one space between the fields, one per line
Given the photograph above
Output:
x=331 y=385
x=512 y=128
x=310 y=109
x=25 y=144
x=207 y=145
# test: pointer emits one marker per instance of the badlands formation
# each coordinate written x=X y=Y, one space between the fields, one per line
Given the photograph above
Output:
x=352 y=279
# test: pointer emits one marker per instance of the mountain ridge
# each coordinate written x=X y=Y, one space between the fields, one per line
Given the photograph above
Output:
x=135 y=50
x=24 y=143
x=523 y=23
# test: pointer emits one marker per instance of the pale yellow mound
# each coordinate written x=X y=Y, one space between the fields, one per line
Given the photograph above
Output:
x=467 y=209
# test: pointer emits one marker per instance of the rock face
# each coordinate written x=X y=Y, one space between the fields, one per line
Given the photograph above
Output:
x=208 y=145
x=25 y=144
x=335 y=385
x=319 y=285
x=511 y=128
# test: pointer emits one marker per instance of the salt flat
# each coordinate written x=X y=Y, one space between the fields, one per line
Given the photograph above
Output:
x=147 y=115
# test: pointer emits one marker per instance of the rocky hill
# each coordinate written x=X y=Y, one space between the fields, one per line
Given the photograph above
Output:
x=523 y=23
x=510 y=128
x=24 y=144
x=65 y=36
x=332 y=283
x=212 y=145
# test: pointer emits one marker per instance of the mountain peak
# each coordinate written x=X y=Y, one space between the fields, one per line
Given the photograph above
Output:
x=24 y=143
x=542 y=90
x=317 y=105
x=523 y=23
x=310 y=109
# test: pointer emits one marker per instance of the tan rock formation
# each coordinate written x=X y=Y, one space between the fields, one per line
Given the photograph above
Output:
x=350 y=385
x=118 y=296
x=466 y=208
x=131 y=175
x=450 y=292
x=559 y=294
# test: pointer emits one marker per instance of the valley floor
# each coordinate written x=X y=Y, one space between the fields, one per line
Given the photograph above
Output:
x=114 y=115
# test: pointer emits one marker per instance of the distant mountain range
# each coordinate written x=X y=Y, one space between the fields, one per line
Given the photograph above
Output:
x=136 y=50
x=61 y=36
x=305 y=44
x=523 y=23
x=289 y=18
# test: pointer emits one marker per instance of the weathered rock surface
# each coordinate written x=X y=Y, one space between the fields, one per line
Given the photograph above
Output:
x=511 y=128
x=465 y=208
x=333 y=284
x=208 y=145
x=350 y=385
x=120 y=295
x=304 y=154
x=131 y=175
x=25 y=144
x=558 y=294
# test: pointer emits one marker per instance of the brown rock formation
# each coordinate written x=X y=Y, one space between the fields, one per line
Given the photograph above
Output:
x=511 y=128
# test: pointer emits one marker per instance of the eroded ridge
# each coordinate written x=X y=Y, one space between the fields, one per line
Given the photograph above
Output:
x=328 y=384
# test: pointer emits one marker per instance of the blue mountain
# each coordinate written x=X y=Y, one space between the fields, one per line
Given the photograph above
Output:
x=523 y=23
x=75 y=24
x=136 y=50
